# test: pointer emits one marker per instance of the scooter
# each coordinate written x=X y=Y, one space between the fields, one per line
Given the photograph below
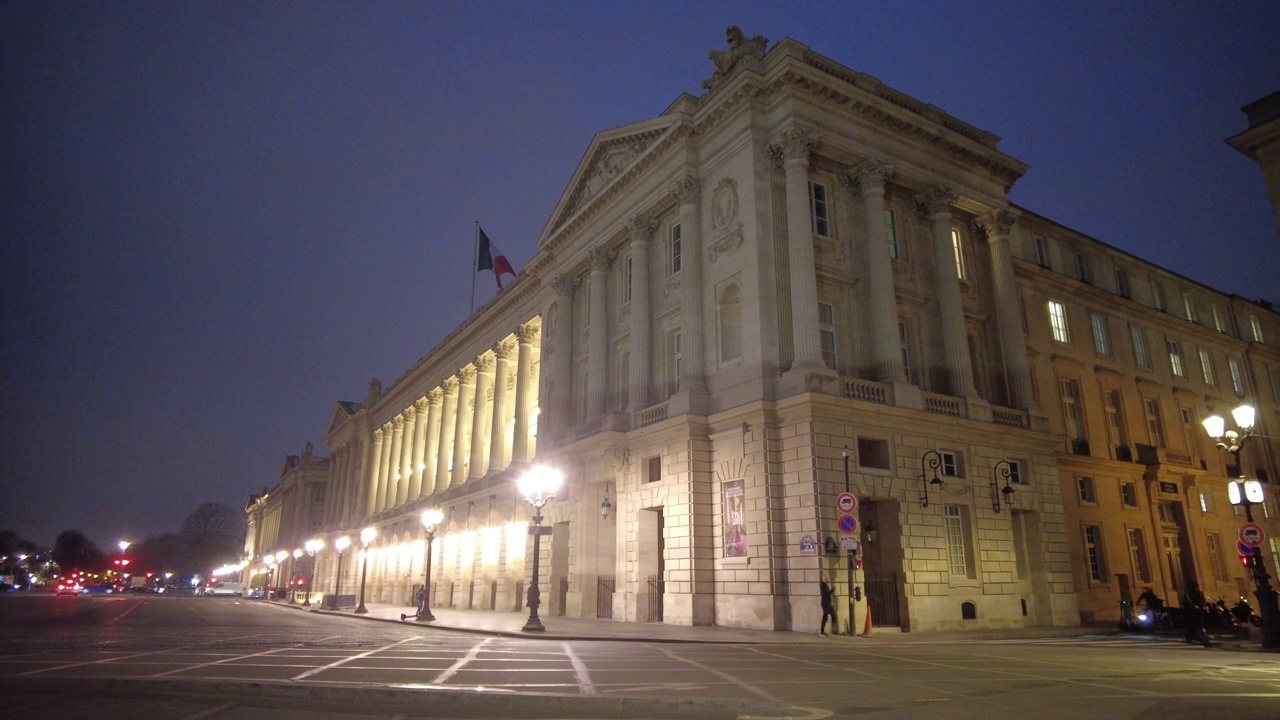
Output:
x=1243 y=613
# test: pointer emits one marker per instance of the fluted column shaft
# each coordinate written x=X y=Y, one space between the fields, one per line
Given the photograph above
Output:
x=448 y=424
x=500 y=424
x=462 y=431
x=870 y=177
x=955 y=342
x=395 y=462
x=375 y=472
x=406 y=456
x=359 y=447
x=1013 y=342
x=562 y=358
x=430 y=455
x=483 y=415
x=599 y=259
x=524 y=381
x=688 y=192
x=794 y=147
x=416 y=463
x=641 y=229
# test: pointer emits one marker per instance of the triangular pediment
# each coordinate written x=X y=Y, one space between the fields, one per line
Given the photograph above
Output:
x=608 y=157
x=342 y=410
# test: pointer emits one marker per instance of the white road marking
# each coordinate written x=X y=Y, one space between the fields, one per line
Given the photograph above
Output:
x=346 y=660
x=129 y=657
x=726 y=676
x=461 y=663
x=580 y=669
x=210 y=711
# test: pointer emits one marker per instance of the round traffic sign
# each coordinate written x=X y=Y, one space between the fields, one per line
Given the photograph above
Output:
x=1252 y=535
x=1244 y=549
x=846 y=503
x=848 y=524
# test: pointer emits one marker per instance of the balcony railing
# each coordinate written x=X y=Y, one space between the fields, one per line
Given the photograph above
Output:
x=866 y=390
x=651 y=415
x=943 y=404
x=1009 y=416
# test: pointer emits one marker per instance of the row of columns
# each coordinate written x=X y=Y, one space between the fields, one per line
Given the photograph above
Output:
x=794 y=148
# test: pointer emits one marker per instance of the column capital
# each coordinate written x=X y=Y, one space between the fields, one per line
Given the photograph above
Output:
x=484 y=363
x=528 y=332
x=600 y=258
x=868 y=175
x=504 y=349
x=450 y=385
x=996 y=223
x=377 y=434
x=564 y=285
x=420 y=405
x=793 y=144
x=640 y=228
x=467 y=375
x=435 y=396
x=687 y=190
x=934 y=200
x=397 y=422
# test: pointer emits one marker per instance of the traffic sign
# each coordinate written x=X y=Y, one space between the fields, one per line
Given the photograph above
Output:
x=848 y=524
x=808 y=546
x=1244 y=549
x=849 y=542
x=1252 y=535
x=846 y=503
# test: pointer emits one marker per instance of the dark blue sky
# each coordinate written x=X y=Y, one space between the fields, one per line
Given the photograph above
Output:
x=220 y=218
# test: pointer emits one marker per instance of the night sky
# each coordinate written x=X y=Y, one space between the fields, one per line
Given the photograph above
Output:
x=220 y=218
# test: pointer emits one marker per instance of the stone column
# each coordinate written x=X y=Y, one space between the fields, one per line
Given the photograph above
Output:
x=641 y=229
x=362 y=475
x=448 y=424
x=688 y=192
x=870 y=176
x=525 y=335
x=1013 y=342
x=794 y=147
x=598 y=259
x=560 y=347
x=500 y=425
x=480 y=419
x=377 y=491
x=430 y=459
x=416 y=464
x=462 y=433
x=395 y=462
x=342 y=471
x=935 y=204
x=406 y=456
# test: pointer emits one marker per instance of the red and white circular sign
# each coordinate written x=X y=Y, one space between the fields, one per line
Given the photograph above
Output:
x=846 y=503
x=1252 y=535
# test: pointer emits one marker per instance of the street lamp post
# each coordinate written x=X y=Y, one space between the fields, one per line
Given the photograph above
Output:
x=930 y=460
x=1248 y=493
x=341 y=545
x=312 y=546
x=538 y=486
x=848 y=565
x=280 y=558
x=431 y=519
x=366 y=536
x=293 y=575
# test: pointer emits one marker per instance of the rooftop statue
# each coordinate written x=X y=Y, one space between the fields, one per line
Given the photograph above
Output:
x=740 y=48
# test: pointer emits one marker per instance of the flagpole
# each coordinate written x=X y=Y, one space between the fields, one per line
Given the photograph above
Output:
x=475 y=255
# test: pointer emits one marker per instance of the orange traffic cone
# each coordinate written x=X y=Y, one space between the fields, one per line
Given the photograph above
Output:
x=866 y=627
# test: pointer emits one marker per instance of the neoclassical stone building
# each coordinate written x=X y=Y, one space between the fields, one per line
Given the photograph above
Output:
x=797 y=264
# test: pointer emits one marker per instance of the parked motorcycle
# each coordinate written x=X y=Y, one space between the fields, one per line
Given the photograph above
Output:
x=1244 y=614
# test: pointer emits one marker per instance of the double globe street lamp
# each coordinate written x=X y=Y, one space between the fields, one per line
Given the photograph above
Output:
x=538 y=486
x=431 y=519
x=312 y=547
x=1248 y=493
x=341 y=545
x=366 y=536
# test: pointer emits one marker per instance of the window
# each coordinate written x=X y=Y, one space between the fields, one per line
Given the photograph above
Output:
x=1217 y=319
x=952 y=463
x=1015 y=473
x=1122 y=283
x=1256 y=328
x=1214 y=545
x=1070 y=390
x=1101 y=342
x=1189 y=306
x=673 y=250
x=1115 y=418
x=818 y=208
x=1042 y=253
x=827 y=333
x=1206 y=502
x=317 y=494
x=1088 y=494
x=1175 y=358
x=1274 y=377
x=1140 y=354
x=1058 y=321
x=729 y=311
x=626 y=279
x=873 y=453
x=904 y=343
x=1237 y=380
x=1097 y=554
x=1157 y=296
x=891 y=229
x=1138 y=555
x=1129 y=494
x=959 y=549
x=958 y=251
x=1083 y=271
x=1155 y=425
x=1206 y=367
x=677 y=359
x=653 y=469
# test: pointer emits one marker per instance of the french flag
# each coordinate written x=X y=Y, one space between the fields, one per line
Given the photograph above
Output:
x=491 y=258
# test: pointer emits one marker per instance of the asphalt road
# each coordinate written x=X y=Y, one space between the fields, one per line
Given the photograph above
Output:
x=109 y=657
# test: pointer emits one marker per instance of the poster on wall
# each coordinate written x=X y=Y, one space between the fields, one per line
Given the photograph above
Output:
x=735 y=518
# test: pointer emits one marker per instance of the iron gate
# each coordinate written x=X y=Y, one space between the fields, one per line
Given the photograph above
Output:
x=882 y=599
x=650 y=609
x=563 y=605
x=604 y=596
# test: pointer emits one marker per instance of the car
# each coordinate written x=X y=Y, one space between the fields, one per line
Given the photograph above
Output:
x=97 y=590
x=224 y=588
x=68 y=588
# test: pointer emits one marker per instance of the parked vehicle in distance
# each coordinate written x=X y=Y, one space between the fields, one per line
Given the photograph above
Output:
x=97 y=590
x=224 y=588
x=68 y=587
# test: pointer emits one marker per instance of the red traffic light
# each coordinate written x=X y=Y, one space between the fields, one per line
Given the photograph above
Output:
x=1245 y=560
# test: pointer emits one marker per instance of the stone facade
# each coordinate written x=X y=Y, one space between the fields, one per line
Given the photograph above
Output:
x=727 y=298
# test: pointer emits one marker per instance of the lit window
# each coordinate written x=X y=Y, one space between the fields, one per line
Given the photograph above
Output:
x=1129 y=494
x=677 y=359
x=952 y=464
x=1058 y=321
x=1140 y=354
x=958 y=251
x=1042 y=253
x=891 y=228
x=818 y=208
x=959 y=551
x=1096 y=552
x=1101 y=342
x=1155 y=424
x=827 y=334
x=1015 y=473
x=1237 y=380
x=1175 y=358
x=673 y=253
x=1206 y=502
x=1115 y=417
x=1189 y=306
x=1206 y=364
x=1070 y=392
x=1256 y=328
x=1217 y=319
x=1138 y=555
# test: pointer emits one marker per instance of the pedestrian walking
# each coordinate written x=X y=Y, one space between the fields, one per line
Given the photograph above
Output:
x=1193 y=614
x=828 y=608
